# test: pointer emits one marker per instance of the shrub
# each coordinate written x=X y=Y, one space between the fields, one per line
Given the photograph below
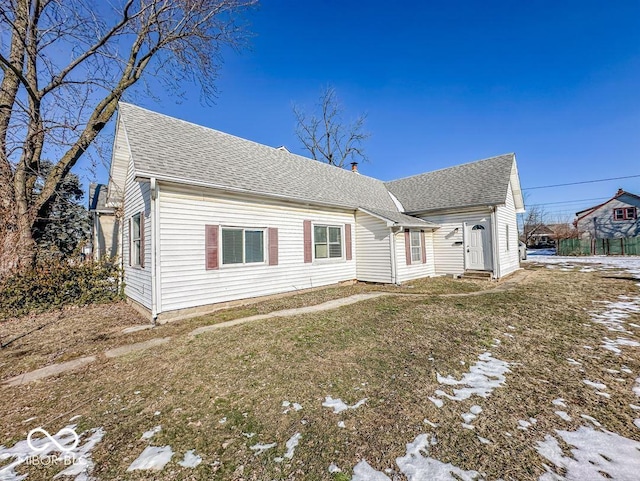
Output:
x=56 y=285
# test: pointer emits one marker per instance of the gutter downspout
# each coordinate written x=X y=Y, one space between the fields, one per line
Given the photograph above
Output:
x=394 y=267
x=495 y=244
x=154 y=228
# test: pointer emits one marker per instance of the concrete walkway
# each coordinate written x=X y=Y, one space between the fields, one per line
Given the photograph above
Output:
x=325 y=306
x=55 y=369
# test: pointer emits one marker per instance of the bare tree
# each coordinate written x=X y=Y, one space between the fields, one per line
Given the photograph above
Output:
x=326 y=136
x=532 y=223
x=65 y=64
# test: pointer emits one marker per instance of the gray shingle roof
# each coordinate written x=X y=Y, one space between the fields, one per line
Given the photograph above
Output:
x=169 y=148
x=484 y=182
x=98 y=198
x=400 y=219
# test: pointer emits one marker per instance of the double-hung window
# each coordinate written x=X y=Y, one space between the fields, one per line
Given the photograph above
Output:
x=327 y=241
x=242 y=246
x=415 y=237
x=624 y=213
x=136 y=240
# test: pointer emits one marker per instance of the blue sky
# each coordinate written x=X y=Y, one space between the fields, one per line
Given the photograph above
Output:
x=445 y=83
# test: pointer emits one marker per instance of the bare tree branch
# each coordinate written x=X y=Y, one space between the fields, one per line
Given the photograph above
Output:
x=327 y=137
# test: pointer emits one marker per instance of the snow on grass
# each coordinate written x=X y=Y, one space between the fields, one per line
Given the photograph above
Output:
x=341 y=424
x=416 y=465
x=483 y=377
x=79 y=459
x=573 y=362
x=483 y=440
x=152 y=458
x=338 y=405
x=289 y=406
x=613 y=345
x=592 y=419
x=190 y=460
x=438 y=402
x=592 y=453
x=524 y=425
x=563 y=415
x=596 y=385
x=429 y=423
x=333 y=468
x=292 y=443
x=151 y=432
x=261 y=448
x=559 y=402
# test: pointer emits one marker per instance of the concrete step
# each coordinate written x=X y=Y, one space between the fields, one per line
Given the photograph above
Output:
x=477 y=274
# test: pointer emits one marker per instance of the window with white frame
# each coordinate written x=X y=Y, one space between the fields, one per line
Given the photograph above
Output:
x=416 y=245
x=327 y=241
x=242 y=246
x=507 y=231
x=136 y=237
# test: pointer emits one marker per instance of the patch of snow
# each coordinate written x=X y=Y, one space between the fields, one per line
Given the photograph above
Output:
x=559 y=402
x=74 y=418
x=152 y=458
x=151 y=432
x=438 y=402
x=333 y=468
x=157 y=413
x=563 y=415
x=596 y=385
x=475 y=409
x=291 y=445
x=470 y=427
x=603 y=394
x=223 y=420
x=636 y=423
x=524 y=425
x=626 y=369
x=592 y=419
x=341 y=424
x=634 y=407
x=338 y=405
x=429 y=423
x=483 y=377
x=248 y=435
x=80 y=457
x=612 y=345
x=417 y=465
x=574 y=362
x=592 y=454
x=483 y=440
x=364 y=472
x=261 y=448
x=191 y=459
x=468 y=417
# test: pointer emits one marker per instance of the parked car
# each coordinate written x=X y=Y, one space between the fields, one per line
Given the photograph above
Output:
x=522 y=247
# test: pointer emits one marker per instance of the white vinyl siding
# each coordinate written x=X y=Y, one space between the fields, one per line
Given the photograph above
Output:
x=137 y=279
x=185 y=281
x=507 y=232
x=448 y=240
x=373 y=248
x=417 y=269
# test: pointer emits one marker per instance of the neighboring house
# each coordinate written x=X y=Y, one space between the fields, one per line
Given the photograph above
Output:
x=547 y=235
x=615 y=218
x=210 y=218
x=105 y=227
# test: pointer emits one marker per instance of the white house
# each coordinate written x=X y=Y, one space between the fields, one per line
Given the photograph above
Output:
x=210 y=218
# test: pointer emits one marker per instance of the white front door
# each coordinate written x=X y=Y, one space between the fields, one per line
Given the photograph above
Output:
x=479 y=257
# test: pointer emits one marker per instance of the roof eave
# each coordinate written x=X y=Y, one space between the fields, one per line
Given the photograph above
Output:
x=237 y=190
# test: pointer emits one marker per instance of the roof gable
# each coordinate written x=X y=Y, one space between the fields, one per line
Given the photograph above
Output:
x=481 y=183
x=173 y=149
x=621 y=196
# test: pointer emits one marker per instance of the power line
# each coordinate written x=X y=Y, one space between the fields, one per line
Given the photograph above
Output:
x=582 y=182
x=570 y=201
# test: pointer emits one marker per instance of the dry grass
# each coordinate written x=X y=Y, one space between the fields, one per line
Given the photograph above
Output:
x=387 y=350
x=62 y=335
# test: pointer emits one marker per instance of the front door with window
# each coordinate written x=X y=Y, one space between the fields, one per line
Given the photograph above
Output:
x=479 y=257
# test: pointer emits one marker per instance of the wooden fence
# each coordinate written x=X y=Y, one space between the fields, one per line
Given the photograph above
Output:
x=626 y=246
